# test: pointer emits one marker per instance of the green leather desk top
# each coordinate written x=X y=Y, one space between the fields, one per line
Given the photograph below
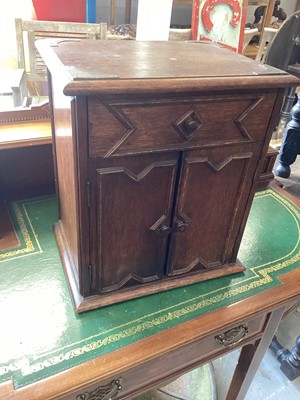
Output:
x=41 y=334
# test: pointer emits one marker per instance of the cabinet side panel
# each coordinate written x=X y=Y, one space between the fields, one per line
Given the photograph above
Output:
x=65 y=164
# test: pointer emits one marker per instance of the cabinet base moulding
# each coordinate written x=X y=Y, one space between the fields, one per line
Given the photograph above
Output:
x=83 y=304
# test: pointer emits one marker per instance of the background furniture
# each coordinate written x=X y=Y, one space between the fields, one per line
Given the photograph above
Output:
x=269 y=4
x=267 y=36
x=222 y=22
x=248 y=35
x=284 y=49
x=27 y=32
x=290 y=147
x=113 y=11
x=68 y=10
x=131 y=144
x=284 y=53
x=251 y=50
x=13 y=88
x=26 y=161
x=289 y=360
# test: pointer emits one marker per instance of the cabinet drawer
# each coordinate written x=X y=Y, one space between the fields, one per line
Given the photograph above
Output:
x=117 y=128
x=167 y=367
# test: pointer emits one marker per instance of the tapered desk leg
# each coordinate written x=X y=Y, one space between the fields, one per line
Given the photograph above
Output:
x=250 y=358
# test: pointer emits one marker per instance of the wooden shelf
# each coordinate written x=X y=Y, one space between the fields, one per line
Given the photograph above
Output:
x=25 y=134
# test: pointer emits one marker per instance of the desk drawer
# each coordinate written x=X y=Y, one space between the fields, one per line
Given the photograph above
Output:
x=118 y=128
x=167 y=367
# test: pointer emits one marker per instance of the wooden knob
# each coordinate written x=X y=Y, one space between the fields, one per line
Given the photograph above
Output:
x=165 y=230
x=190 y=125
x=180 y=226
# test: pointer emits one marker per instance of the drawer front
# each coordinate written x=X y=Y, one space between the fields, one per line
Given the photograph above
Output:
x=118 y=128
x=161 y=370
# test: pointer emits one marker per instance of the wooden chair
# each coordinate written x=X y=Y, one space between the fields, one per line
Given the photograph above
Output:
x=266 y=39
x=248 y=35
x=284 y=53
x=28 y=58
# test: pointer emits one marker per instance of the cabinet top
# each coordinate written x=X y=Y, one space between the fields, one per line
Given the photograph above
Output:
x=106 y=66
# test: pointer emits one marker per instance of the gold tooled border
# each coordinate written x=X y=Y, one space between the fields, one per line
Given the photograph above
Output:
x=29 y=248
x=263 y=275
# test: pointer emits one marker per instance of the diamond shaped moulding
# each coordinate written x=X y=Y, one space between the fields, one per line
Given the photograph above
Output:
x=188 y=124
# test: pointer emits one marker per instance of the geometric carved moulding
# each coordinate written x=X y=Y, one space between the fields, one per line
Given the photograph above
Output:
x=239 y=122
x=136 y=177
x=188 y=124
x=218 y=165
x=196 y=265
x=142 y=130
x=129 y=129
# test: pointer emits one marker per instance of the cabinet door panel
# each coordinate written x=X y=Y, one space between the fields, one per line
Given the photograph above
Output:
x=213 y=191
x=131 y=203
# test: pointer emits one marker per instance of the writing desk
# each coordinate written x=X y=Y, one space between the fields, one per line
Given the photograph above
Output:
x=26 y=161
x=48 y=351
x=24 y=134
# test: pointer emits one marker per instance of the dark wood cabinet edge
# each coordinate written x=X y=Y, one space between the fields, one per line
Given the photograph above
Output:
x=67 y=263
x=102 y=300
x=183 y=85
x=148 y=289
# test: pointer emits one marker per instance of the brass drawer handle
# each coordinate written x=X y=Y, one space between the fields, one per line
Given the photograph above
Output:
x=107 y=392
x=233 y=336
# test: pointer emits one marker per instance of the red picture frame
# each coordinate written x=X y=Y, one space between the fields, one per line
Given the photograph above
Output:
x=231 y=33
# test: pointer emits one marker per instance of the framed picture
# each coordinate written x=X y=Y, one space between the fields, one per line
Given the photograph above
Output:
x=220 y=21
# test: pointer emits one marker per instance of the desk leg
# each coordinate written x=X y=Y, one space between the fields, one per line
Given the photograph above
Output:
x=251 y=357
x=289 y=360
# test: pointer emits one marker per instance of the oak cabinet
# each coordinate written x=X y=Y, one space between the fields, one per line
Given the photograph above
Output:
x=159 y=211
x=158 y=148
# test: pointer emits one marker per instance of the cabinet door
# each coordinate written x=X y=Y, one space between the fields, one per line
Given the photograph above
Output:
x=131 y=205
x=213 y=191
